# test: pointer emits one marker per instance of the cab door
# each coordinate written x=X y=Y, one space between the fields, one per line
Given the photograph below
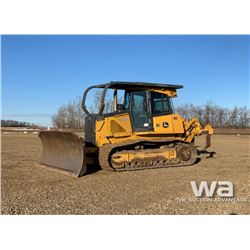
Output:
x=140 y=111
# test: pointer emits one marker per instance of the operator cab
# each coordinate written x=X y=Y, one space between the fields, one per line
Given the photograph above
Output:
x=143 y=105
x=142 y=101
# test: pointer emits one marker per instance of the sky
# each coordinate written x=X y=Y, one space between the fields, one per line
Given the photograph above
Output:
x=41 y=73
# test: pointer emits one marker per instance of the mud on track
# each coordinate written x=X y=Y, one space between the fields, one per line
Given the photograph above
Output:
x=29 y=189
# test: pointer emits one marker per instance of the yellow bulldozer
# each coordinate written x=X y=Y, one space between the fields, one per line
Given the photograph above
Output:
x=140 y=133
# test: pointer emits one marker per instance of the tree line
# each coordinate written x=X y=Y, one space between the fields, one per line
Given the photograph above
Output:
x=72 y=115
x=12 y=123
x=219 y=117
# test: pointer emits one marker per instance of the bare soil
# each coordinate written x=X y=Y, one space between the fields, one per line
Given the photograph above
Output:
x=27 y=188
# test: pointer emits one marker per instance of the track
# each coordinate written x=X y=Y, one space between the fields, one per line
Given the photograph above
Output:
x=106 y=152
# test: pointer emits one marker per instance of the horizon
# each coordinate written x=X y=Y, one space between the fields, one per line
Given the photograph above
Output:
x=41 y=73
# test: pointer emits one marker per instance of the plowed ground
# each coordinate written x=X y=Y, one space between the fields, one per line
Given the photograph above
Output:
x=27 y=188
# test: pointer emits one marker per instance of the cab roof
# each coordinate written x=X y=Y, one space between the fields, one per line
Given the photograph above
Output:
x=138 y=85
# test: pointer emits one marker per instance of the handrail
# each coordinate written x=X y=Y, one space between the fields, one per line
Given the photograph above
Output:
x=102 y=103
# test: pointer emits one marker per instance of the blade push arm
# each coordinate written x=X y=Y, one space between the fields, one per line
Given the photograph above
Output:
x=194 y=128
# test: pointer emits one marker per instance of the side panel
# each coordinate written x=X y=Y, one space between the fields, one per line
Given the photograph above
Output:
x=169 y=124
x=117 y=126
x=163 y=124
x=178 y=124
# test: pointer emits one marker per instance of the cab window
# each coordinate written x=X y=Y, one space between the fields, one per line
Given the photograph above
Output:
x=160 y=103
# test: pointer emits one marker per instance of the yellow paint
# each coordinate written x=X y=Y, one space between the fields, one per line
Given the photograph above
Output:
x=118 y=128
x=146 y=155
x=170 y=93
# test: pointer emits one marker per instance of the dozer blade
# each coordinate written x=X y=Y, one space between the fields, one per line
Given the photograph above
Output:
x=63 y=151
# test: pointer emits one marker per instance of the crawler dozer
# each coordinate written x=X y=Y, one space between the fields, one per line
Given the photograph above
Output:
x=140 y=133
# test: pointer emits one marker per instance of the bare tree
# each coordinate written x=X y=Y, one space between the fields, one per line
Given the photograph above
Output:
x=80 y=115
x=244 y=117
x=72 y=115
x=219 y=117
x=59 y=120
x=69 y=116
x=94 y=108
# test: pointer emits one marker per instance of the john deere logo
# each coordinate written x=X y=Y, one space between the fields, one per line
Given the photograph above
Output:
x=165 y=124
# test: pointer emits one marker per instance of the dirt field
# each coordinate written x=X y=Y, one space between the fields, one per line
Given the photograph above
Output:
x=27 y=188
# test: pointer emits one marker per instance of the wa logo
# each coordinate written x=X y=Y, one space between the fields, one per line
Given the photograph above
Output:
x=223 y=188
